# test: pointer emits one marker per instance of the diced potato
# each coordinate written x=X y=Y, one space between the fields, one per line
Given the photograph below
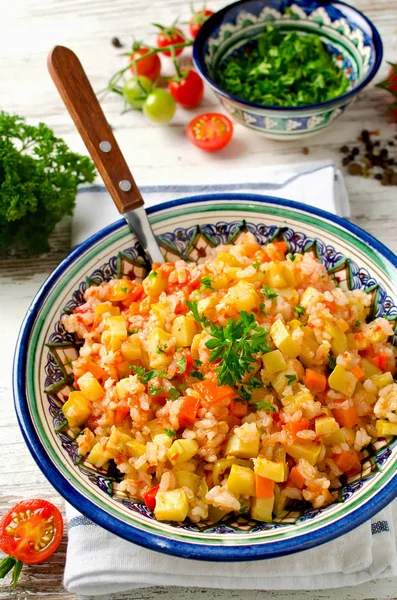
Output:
x=290 y=295
x=280 y=276
x=123 y=387
x=158 y=338
x=382 y=380
x=274 y=361
x=194 y=348
x=171 y=506
x=269 y=469
x=294 y=323
x=325 y=425
x=206 y=306
x=187 y=479
x=338 y=337
x=342 y=381
x=162 y=439
x=375 y=333
x=154 y=284
x=242 y=296
x=221 y=281
x=119 y=289
x=262 y=509
x=280 y=502
x=131 y=347
x=349 y=435
x=77 y=409
x=184 y=329
x=123 y=368
x=308 y=351
x=90 y=387
x=241 y=481
x=283 y=340
x=135 y=449
x=309 y=451
x=369 y=369
x=225 y=258
x=106 y=307
x=117 y=443
x=155 y=428
x=98 y=456
x=298 y=400
x=117 y=327
x=182 y=450
x=236 y=447
x=334 y=439
x=310 y=295
x=385 y=428
x=160 y=311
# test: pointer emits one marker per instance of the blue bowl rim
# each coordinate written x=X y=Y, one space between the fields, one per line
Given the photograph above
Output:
x=227 y=553
x=216 y=18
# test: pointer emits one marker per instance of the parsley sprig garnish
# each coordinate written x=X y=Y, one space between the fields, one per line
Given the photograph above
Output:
x=206 y=284
x=269 y=293
x=145 y=376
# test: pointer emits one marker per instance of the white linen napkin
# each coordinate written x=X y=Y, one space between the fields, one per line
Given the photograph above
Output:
x=100 y=563
x=317 y=183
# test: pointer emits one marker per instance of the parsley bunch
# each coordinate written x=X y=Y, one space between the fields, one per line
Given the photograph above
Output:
x=39 y=176
x=283 y=69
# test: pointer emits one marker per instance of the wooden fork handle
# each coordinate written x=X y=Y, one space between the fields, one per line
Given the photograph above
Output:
x=87 y=114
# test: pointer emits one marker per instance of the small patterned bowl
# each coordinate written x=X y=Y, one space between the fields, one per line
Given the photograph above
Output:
x=348 y=35
x=189 y=228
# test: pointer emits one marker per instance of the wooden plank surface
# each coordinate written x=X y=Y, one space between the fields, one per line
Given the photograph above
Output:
x=32 y=28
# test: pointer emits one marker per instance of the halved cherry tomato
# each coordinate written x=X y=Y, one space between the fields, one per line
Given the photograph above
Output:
x=150 y=498
x=169 y=36
x=197 y=21
x=210 y=132
x=150 y=67
x=29 y=533
x=189 y=91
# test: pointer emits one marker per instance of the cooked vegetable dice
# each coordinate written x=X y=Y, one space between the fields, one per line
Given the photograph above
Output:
x=157 y=344
x=119 y=289
x=131 y=348
x=369 y=369
x=183 y=329
x=241 y=481
x=270 y=469
x=77 y=409
x=309 y=451
x=242 y=296
x=98 y=456
x=274 y=361
x=187 y=479
x=106 y=307
x=181 y=451
x=283 y=340
x=280 y=502
x=160 y=311
x=385 y=428
x=325 y=425
x=236 y=447
x=171 y=505
x=154 y=284
x=262 y=508
x=90 y=387
x=334 y=439
x=309 y=296
x=382 y=380
x=134 y=448
x=117 y=443
x=117 y=332
x=342 y=381
x=338 y=337
x=162 y=439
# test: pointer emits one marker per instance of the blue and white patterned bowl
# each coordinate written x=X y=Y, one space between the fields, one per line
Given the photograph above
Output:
x=188 y=228
x=351 y=38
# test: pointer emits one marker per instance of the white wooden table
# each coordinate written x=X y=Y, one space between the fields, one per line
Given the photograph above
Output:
x=29 y=29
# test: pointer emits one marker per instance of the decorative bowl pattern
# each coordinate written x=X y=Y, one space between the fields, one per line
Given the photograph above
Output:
x=349 y=36
x=42 y=375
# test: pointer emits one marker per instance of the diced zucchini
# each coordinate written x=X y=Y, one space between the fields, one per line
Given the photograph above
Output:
x=131 y=348
x=154 y=284
x=382 y=380
x=236 y=447
x=309 y=451
x=187 y=479
x=338 y=337
x=90 y=387
x=274 y=361
x=283 y=340
x=325 y=425
x=308 y=351
x=310 y=296
x=215 y=514
x=117 y=443
x=135 y=449
x=290 y=295
x=270 y=469
x=155 y=427
x=157 y=341
x=241 y=481
x=242 y=296
x=183 y=329
x=171 y=506
x=280 y=502
x=334 y=439
x=98 y=456
x=385 y=428
x=225 y=258
x=106 y=307
x=117 y=328
x=369 y=369
x=342 y=381
x=77 y=409
x=182 y=450
x=262 y=509
x=349 y=435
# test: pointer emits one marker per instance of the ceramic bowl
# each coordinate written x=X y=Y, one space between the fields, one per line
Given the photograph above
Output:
x=348 y=35
x=189 y=228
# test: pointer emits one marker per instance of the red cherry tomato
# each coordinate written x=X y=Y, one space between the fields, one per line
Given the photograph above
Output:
x=150 y=498
x=197 y=21
x=149 y=67
x=210 y=132
x=170 y=36
x=189 y=91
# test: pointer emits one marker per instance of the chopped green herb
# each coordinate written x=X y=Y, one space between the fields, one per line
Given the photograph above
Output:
x=197 y=375
x=132 y=331
x=283 y=69
x=256 y=264
x=155 y=391
x=181 y=362
x=198 y=362
x=159 y=350
x=106 y=429
x=206 y=284
x=125 y=290
x=269 y=293
x=290 y=378
x=331 y=362
x=145 y=376
x=292 y=257
x=300 y=310
x=173 y=392
x=152 y=274
x=255 y=383
x=169 y=432
x=262 y=308
x=243 y=508
x=357 y=324
x=265 y=406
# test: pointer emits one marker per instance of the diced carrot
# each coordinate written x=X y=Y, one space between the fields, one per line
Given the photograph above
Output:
x=144 y=306
x=358 y=372
x=120 y=414
x=316 y=382
x=331 y=306
x=181 y=307
x=264 y=487
x=281 y=246
x=293 y=428
x=261 y=256
x=135 y=293
x=349 y=461
x=297 y=478
x=211 y=392
x=238 y=409
x=232 y=421
x=89 y=365
x=188 y=411
x=167 y=268
x=346 y=417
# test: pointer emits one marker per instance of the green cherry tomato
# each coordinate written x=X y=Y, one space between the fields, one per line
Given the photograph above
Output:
x=136 y=90
x=159 y=106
